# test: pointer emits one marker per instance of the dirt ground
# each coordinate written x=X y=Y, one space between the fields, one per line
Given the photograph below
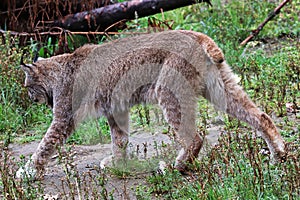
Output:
x=85 y=158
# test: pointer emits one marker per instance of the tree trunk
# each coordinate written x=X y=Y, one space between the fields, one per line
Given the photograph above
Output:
x=101 y=18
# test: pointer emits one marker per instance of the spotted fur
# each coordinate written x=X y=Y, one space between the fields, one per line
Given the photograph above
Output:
x=170 y=68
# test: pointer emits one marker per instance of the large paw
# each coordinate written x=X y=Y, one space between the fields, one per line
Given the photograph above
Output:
x=106 y=162
x=28 y=172
x=113 y=161
x=278 y=157
x=162 y=167
x=279 y=152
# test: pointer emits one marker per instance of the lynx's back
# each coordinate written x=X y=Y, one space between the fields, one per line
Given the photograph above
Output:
x=171 y=68
x=122 y=66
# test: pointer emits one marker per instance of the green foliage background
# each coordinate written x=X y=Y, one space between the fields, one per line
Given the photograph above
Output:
x=268 y=67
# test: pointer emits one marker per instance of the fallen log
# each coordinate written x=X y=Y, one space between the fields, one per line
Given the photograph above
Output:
x=101 y=18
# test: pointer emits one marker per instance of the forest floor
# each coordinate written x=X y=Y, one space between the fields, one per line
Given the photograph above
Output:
x=87 y=159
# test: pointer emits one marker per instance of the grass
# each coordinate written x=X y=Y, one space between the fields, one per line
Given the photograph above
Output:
x=234 y=169
x=91 y=132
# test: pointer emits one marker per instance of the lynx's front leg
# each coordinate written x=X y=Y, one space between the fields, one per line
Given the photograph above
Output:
x=57 y=133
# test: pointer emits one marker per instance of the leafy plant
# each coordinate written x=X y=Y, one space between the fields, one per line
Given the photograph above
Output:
x=237 y=168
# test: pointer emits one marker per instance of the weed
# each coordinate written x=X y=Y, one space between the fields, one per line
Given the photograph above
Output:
x=16 y=110
x=91 y=132
x=13 y=188
x=277 y=72
x=238 y=167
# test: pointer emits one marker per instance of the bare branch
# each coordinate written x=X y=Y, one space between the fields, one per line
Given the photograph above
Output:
x=101 y=18
x=260 y=27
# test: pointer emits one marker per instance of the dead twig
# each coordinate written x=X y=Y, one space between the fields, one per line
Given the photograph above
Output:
x=14 y=33
x=260 y=27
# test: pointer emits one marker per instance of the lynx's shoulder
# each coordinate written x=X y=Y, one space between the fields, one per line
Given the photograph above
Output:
x=85 y=50
x=210 y=47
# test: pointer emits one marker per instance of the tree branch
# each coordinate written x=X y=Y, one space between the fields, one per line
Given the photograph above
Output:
x=101 y=18
x=260 y=27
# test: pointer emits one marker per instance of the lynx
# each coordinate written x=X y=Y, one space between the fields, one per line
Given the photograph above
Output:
x=171 y=69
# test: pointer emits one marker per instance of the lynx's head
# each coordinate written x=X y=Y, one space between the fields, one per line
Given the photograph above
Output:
x=36 y=83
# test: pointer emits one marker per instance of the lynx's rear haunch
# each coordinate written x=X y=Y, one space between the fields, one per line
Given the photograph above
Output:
x=171 y=69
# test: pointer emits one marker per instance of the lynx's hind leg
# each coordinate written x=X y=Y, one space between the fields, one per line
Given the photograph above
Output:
x=183 y=125
x=239 y=105
x=119 y=128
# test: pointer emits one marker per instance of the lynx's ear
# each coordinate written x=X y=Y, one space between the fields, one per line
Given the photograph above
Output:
x=37 y=58
x=28 y=69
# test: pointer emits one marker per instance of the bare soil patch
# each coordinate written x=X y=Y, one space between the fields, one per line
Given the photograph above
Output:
x=87 y=159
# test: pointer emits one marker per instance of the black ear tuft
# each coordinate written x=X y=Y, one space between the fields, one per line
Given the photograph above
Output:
x=22 y=59
x=36 y=56
x=24 y=67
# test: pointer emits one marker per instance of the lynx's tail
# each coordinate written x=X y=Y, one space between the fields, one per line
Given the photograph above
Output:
x=212 y=50
x=218 y=75
x=209 y=46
